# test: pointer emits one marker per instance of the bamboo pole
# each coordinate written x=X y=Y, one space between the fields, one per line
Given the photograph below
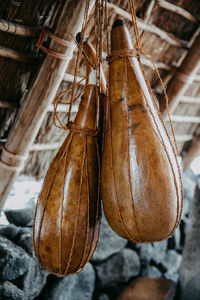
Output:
x=19 y=56
x=18 y=29
x=190 y=99
x=193 y=151
x=185 y=119
x=182 y=78
x=177 y=10
x=40 y=96
x=6 y=104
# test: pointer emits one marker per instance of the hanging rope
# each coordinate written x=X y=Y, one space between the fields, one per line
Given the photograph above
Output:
x=58 y=99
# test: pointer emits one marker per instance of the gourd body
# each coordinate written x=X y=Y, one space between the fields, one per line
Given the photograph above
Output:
x=141 y=184
x=67 y=217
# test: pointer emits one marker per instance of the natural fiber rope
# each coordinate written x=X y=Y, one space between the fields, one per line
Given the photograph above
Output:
x=120 y=54
x=82 y=129
x=11 y=168
x=46 y=33
x=16 y=157
x=13 y=155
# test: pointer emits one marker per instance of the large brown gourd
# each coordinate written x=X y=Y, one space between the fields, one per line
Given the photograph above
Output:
x=141 y=180
x=67 y=216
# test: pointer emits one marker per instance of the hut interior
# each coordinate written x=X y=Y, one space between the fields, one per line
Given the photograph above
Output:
x=30 y=78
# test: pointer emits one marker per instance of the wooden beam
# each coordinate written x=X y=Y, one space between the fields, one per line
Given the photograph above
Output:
x=40 y=96
x=18 y=29
x=45 y=147
x=185 y=119
x=190 y=99
x=183 y=137
x=70 y=78
x=193 y=151
x=169 y=38
x=64 y=108
x=197 y=78
x=182 y=78
x=19 y=56
x=6 y=104
x=189 y=275
x=177 y=10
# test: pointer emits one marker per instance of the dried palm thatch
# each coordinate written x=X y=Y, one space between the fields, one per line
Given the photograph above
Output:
x=168 y=32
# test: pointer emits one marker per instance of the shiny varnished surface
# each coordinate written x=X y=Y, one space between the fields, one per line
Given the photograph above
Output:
x=141 y=184
x=67 y=218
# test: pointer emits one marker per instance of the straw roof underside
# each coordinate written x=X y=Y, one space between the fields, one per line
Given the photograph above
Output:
x=167 y=52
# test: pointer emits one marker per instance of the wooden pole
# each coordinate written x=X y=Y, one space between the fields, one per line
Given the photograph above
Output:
x=19 y=56
x=189 y=276
x=193 y=151
x=40 y=96
x=18 y=29
x=182 y=78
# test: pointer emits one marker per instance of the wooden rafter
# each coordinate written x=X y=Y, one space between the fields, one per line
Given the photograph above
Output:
x=18 y=29
x=64 y=108
x=182 y=78
x=190 y=100
x=177 y=10
x=70 y=78
x=6 y=104
x=169 y=38
x=40 y=96
x=193 y=151
x=185 y=119
x=19 y=56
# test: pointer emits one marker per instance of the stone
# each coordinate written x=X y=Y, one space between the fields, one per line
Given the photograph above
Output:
x=9 y=291
x=33 y=281
x=25 y=239
x=151 y=271
x=79 y=286
x=146 y=253
x=159 y=251
x=10 y=231
x=20 y=217
x=149 y=289
x=103 y=297
x=16 y=265
x=14 y=261
x=189 y=271
x=189 y=183
x=109 y=242
x=118 y=269
x=174 y=243
x=21 y=236
x=172 y=264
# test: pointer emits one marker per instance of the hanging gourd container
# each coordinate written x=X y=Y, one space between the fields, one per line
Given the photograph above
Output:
x=141 y=179
x=67 y=216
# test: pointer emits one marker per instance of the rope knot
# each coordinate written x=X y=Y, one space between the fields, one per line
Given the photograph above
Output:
x=82 y=129
x=117 y=54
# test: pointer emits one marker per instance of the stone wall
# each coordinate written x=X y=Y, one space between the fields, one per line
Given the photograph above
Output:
x=116 y=261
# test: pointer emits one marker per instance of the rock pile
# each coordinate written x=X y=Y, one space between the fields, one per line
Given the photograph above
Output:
x=114 y=265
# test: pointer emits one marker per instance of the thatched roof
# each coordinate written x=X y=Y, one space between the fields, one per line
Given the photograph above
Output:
x=168 y=30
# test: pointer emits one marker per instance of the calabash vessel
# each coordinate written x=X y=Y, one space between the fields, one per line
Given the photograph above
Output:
x=67 y=216
x=141 y=180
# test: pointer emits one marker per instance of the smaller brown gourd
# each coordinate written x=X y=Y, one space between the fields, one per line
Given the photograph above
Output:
x=67 y=215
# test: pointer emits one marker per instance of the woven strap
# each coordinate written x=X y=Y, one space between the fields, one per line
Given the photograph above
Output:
x=16 y=157
x=44 y=33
